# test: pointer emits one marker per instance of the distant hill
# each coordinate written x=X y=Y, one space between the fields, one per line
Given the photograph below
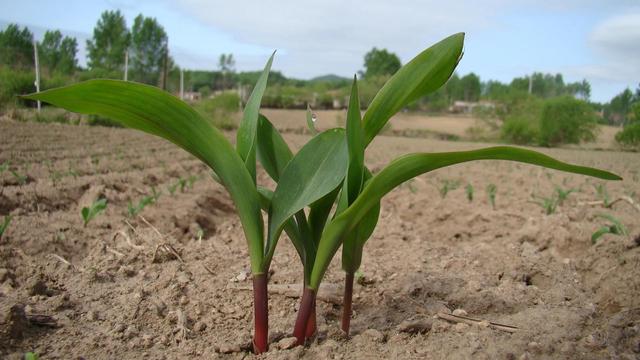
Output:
x=329 y=78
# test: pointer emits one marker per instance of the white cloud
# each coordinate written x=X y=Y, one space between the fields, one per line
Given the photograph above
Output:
x=334 y=34
x=616 y=42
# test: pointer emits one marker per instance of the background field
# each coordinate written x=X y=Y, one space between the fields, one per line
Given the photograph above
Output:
x=118 y=289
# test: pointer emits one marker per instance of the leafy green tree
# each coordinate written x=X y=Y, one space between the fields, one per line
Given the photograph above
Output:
x=58 y=54
x=16 y=47
x=149 y=50
x=566 y=120
x=110 y=42
x=380 y=63
x=227 y=64
x=617 y=110
x=470 y=87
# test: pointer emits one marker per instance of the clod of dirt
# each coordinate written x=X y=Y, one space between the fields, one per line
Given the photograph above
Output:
x=374 y=335
x=420 y=326
x=230 y=348
x=15 y=323
x=38 y=286
x=459 y=312
x=287 y=343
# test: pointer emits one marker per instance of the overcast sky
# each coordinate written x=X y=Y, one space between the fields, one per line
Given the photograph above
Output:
x=582 y=39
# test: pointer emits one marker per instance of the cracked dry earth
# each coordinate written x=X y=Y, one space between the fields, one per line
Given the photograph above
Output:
x=173 y=282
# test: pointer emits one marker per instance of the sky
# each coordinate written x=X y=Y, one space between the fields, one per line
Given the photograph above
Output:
x=583 y=39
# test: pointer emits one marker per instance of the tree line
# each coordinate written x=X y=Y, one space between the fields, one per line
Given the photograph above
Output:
x=144 y=45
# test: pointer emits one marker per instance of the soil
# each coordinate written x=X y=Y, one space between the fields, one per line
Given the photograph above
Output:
x=173 y=283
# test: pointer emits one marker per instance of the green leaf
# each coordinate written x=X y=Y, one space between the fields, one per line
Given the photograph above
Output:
x=596 y=235
x=317 y=169
x=5 y=224
x=310 y=124
x=273 y=152
x=159 y=113
x=290 y=226
x=355 y=143
x=421 y=76
x=354 y=243
x=319 y=213
x=409 y=166
x=88 y=213
x=247 y=131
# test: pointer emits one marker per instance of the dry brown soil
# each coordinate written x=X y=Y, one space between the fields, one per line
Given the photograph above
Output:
x=118 y=290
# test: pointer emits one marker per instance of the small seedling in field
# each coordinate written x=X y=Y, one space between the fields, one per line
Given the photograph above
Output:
x=192 y=180
x=172 y=188
x=155 y=194
x=491 y=192
x=469 y=191
x=134 y=210
x=22 y=179
x=448 y=185
x=549 y=204
x=614 y=227
x=4 y=225
x=603 y=194
x=325 y=197
x=562 y=194
x=31 y=356
x=4 y=167
x=88 y=213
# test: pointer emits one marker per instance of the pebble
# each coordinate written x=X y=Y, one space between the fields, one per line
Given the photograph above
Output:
x=461 y=327
x=184 y=300
x=459 y=312
x=374 y=335
x=287 y=343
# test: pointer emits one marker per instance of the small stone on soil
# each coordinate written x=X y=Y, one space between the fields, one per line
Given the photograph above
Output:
x=459 y=312
x=287 y=343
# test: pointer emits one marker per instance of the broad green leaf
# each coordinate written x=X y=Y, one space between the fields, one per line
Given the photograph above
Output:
x=421 y=76
x=353 y=243
x=355 y=143
x=317 y=169
x=409 y=166
x=273 y=152
x=310 y=123
x=154 y=111
x=290 y=226
x=319 y=213
x=246 y=136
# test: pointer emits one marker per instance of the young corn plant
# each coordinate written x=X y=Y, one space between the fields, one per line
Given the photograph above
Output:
x=448 y=185
x=469 y=191
x=492 y=189
x=325 y=197
x=134 y=210
x=4 y=225
x=614 y=227
x=88 y=213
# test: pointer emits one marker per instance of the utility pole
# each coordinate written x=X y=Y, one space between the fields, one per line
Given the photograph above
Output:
x=181 y=84
x=126 y=64
x=37 y=83
x=530 y=83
